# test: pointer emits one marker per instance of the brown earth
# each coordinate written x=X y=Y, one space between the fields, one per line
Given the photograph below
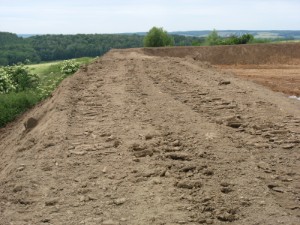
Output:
x=276 y=66
x=281 y=77
x=139 y=139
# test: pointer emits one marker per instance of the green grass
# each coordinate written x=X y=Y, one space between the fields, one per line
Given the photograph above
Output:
x=13 y=104
x=42 y=67
x=288 y=41
x=50 y=74
x=43 y=70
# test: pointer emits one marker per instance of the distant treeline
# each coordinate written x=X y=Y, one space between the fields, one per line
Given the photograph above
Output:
x=271 y=34
x=14 y=49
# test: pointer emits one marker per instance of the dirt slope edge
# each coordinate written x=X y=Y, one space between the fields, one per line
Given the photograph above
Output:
x=288 y=53
x=139 y=139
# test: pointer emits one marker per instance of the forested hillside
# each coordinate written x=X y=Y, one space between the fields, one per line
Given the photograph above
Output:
x=14 y=49
x=57 y=47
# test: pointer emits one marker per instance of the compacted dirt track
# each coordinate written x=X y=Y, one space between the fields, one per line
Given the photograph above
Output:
x=137 y=139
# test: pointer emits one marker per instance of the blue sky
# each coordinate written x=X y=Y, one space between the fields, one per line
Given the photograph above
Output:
x=116 y=16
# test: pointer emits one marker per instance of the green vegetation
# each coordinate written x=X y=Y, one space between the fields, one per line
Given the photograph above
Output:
x=14 y=50
x=60 y=47
x=157 y=37
x=218 y=38
x=16 y=78
x=45 y=48
x=12 y=104
x=69 y=67
x=215 y=39
x=258 y=34
x=21 y=87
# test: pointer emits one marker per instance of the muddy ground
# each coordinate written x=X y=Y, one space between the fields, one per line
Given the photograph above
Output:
x=141 y=139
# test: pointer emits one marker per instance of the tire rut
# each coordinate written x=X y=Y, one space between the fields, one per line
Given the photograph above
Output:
x=148 y=140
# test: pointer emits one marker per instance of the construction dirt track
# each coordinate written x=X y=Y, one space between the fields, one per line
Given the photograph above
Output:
x=158 y=136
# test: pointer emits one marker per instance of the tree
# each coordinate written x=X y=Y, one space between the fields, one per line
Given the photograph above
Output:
x=213 y=38
x=246 y=38
x=157 y=37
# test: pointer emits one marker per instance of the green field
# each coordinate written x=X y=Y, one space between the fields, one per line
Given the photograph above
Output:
x=49 y=69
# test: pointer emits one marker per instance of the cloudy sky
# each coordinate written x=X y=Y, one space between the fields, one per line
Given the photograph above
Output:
x=116 y=16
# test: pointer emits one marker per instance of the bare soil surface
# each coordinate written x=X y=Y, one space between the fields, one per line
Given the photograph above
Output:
x=259 y=54
x=280 y=78
x=137 y=139
x=275 y=66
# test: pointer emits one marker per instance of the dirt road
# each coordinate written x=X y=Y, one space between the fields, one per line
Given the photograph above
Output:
x=136 y=139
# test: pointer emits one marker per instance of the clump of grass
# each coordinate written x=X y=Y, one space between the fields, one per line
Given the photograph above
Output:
x=13 y=104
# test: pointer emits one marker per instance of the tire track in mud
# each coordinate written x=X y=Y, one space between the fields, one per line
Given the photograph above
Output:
x=135 y=139
x=261 y=130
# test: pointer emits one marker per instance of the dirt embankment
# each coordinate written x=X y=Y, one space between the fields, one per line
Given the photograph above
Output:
x=276 y=66
x=260 y=54
x=146 y=140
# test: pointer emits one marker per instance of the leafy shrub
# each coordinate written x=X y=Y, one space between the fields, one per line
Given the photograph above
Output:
x=246 y=38
x=157 y=37
x=69 y=67
x=49 y=85
x=6 y=84
x=235 y=40
x=20 y=89
x=17 y=78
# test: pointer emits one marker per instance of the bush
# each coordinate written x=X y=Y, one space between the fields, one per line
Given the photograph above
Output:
x=213 y=38
x=17 y=78
x=157 y=37
x=6 y=83
x=246 y=38
x=69 y=67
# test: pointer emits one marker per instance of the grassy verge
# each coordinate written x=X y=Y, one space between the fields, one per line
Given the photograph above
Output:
x=13 y=104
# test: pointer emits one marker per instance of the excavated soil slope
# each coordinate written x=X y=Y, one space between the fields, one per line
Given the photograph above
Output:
x=276 y=66
x=288 y=53
x=136 y=139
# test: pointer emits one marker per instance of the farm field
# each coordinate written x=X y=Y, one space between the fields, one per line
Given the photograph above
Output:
x=158 y=136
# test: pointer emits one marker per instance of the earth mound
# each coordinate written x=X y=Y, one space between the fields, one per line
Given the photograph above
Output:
x=142 y=139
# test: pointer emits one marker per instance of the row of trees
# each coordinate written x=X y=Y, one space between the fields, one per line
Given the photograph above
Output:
x=59 y=47
x=158 y=37
x=214 y=39
x=14 y=49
